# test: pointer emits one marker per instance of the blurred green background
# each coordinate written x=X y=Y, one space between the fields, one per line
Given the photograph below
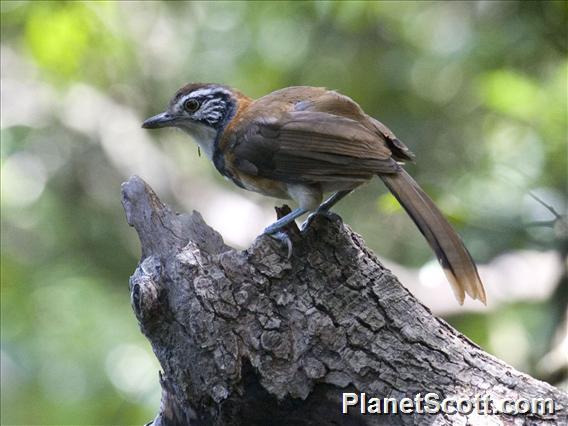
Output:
x=478 y=90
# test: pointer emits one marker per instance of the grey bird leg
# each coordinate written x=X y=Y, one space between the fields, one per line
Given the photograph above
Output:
x=283 y=221
x=332 y=201
x=275 y=230
x=325 y=206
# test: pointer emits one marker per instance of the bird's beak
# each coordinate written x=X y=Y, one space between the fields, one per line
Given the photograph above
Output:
x=165 y=119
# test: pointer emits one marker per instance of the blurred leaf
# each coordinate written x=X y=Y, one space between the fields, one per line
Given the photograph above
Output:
x=386 y=203
x=511 y=93
x=59 y=37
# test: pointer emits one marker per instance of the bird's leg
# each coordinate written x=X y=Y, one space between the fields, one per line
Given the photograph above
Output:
x=325 y=206
x=282 y=222
x=275 y=230
x=332 y=201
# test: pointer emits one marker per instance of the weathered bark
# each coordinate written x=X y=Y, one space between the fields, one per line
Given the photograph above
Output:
x=251 y=337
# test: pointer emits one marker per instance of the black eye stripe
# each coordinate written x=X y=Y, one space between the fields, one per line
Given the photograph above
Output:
x=210 y=109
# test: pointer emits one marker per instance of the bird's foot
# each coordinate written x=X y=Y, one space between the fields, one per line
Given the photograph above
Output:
x=281 y=237
x=285 y=224
x=319 y=212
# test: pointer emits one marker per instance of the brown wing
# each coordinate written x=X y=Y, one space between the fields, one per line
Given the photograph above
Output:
x=335 y=103
x=399 y=150
x=310 y=147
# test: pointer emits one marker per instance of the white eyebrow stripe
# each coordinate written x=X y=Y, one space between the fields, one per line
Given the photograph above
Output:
x=208 y=91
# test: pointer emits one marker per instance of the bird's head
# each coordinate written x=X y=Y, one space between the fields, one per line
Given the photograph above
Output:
x=201 y=110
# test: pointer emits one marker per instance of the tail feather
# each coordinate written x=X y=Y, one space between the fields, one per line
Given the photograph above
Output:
x=458 y=264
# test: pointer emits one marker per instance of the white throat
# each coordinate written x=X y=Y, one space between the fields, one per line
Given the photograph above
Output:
x=204 y=136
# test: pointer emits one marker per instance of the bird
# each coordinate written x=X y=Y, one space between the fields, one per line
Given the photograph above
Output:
x=302 y=142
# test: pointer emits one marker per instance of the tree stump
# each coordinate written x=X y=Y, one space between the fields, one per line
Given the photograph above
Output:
x=252 y=337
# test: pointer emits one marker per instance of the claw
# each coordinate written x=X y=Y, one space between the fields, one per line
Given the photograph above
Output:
x=276 y=230
x=283 y=238
x=307 y=222
x=312 y=216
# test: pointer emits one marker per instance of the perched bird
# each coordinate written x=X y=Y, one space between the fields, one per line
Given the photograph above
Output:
x=301 y=142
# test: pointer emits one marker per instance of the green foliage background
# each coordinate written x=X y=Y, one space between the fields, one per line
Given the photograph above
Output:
x=476 y=89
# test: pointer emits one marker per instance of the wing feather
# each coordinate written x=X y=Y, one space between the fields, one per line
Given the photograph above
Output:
x=311 y=147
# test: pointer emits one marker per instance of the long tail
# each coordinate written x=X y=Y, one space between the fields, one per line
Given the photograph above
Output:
x=446 y=243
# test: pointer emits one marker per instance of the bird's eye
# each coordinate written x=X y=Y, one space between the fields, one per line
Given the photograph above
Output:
x=191 y=105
